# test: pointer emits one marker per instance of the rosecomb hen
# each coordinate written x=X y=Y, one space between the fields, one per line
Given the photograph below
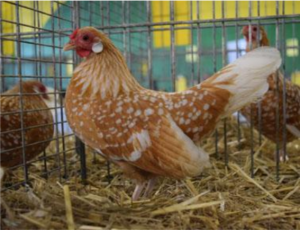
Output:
x=271 y=101
x=149 y=133
x=37 y=123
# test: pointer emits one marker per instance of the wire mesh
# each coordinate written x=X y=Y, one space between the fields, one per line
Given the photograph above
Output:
x=163 y=43
x=33 y=38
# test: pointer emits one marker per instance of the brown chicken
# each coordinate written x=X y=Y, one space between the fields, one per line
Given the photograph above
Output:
x=149 y=133
x=37 y=123
x=271 y=100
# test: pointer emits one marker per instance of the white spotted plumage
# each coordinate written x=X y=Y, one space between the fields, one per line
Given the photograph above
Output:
x=152 y=138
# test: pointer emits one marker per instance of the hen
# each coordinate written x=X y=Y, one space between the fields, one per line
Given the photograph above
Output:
x=149 y=133
x=271 y=101
x=37 y=123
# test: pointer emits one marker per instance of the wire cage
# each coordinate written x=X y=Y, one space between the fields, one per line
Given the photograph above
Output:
x=168 y=46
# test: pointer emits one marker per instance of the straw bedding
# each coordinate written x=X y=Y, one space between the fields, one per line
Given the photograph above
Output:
x=221 y=198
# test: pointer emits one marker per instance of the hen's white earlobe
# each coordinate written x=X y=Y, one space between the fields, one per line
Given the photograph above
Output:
x=97 y=47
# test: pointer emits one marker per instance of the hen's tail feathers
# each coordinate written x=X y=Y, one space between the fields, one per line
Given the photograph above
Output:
x=246 y=77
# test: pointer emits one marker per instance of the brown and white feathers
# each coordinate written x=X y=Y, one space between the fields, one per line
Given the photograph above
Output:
x=37 y=123
x=272 y=101
x=154 y=132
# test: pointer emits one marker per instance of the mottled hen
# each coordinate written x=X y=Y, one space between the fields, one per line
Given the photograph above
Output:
x=273 y=99
x=149 y=133
x=37 y=123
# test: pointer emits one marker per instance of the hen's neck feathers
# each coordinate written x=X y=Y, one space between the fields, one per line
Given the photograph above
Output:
x=104 y=75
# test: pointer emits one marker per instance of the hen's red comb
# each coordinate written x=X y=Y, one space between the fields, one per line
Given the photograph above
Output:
x=73 y=35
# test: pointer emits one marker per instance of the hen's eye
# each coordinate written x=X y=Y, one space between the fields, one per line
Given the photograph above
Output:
x=254 y=29
x=85 y=37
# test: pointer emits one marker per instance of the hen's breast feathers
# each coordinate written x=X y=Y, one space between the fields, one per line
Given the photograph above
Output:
x=38 y=124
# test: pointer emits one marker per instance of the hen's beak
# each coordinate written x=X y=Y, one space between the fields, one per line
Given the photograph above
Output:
x=69 y=46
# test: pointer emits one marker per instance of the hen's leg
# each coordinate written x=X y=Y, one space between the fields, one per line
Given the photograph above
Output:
x=141 y=177
x=137 y=191
x=281 y=155
x=138 y=175
x=150 y=186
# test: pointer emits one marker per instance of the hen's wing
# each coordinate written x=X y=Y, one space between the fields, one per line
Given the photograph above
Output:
x=142 y=133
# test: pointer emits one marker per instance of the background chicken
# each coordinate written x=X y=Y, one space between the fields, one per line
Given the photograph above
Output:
x=149 y=133
x=271 y=101
x=37 y=122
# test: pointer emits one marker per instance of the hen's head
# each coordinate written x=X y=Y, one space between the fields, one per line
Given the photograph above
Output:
x=257 y=33
x=86 y=41
x=35 y=87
